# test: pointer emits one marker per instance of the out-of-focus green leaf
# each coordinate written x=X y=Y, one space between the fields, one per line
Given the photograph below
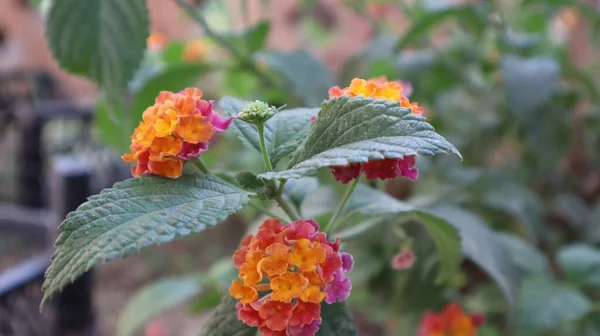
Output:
x=372 y=202
x=544 y=305
x=106 y=123
x=572 y=208
x=156 y=299
x=173 y=53
x=580 y=263
x=467 y=14
x=530 y=82
x=524 y=255
x=307 y=75
x=481 y=245
x=298 y=190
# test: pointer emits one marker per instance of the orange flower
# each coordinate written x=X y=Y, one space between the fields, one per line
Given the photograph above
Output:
x=306 y=255
x=288 y=286
x=313 y=294
x=156 y=41
x=245 y=294
x=278 y=261
x=177 y=128
x=276 y=313
x=305 y=313
x=195 y=50
x=249 y=271
x=452 y=321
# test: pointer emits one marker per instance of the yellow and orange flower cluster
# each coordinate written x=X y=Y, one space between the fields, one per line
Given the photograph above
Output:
x=285 y=273
x=177 y=128
x=378 y=88
x=452 y=321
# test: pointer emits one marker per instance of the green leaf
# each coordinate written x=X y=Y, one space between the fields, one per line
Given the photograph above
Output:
x=447 y=242
x=524 y=255
x=101 y=39
x=580 y=264
x=284 y=132
x=544 y=305
x=224 y=321
x=256 y=37
x=134 y=214
x=481 y=245
x=337 y=320
x=465 y=14
x=372 y=202
x=356 y=130
x=308 y=77
x=530 y=82
x=173 y=78
x=154 y=300
x=106 y=124
x=298 y=190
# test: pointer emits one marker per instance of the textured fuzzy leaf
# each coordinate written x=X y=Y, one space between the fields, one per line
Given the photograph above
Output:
x=544 y=305
x=307 y=75
x=352 y=130
x=337 y=320
x=154 y=300
x=101 y=39
x=283 y=133
x=134 y=214
x=224 y=321
x=481 y=245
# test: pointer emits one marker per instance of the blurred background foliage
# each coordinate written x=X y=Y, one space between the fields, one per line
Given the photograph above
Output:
x=513 y=84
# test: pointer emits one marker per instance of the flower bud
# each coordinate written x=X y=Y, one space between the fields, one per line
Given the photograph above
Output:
x=257 y=112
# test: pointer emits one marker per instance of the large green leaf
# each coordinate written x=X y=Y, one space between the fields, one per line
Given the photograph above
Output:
x=524 y=255
x=134 y=214
x=101 y=39
x=447 y=242
x=307 y=76
x=224 y=321
x=298 y=190
x=156 y=299
x=481 y=245
x=337 y=320
x=372 y=202
x=580 y=264
x=544 y=305
x=352 y=130
x=284 y=132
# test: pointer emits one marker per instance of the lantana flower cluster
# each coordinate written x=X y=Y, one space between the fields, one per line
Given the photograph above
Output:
x=452 y=321
x=285 y=273
x=393 y=91
x=177 y=128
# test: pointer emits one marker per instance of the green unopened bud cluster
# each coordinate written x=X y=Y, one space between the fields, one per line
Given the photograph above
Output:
x=257 y=112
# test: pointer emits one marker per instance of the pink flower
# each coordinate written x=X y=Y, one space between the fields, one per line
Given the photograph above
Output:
x=403 y=260
x=347 y=262
x=407 y=88
x=346 y=174
x=339 y=289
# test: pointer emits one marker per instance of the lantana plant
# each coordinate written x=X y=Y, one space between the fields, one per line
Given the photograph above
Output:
x=293 y=272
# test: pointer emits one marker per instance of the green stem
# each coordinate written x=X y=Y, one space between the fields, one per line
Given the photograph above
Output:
x=265 y=211
x=332 y=222
x=285 y=206
x=200 y=165
x=263 y=146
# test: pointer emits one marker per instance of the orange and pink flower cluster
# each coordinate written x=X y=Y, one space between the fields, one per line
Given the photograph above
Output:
x=452 y=321
x=177 y=128
x=393 y=91
x=285 y=273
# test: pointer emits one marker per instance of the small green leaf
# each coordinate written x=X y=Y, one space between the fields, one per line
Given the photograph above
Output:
x=481 y=245
x=308 y=77
x=581 y=264
x=256 y=37
x=284 y=132
x=101 y=39
x=524 y=255
x=134 y=214
x=544 y=305
x=224 y=321
x=447 y=241
x=356 y=130
x=337 y=320
x=154 y=300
